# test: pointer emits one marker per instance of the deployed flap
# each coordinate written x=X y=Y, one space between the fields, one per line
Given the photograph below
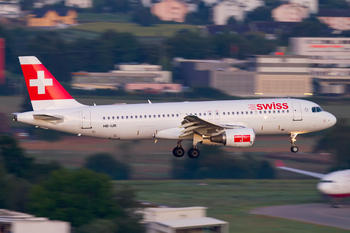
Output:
x=46 y=117
x=193 y=124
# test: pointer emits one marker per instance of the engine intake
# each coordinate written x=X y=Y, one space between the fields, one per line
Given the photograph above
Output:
x=244 y=137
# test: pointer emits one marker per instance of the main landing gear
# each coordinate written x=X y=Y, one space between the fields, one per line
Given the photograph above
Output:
x=178 y=151
x=294 y=148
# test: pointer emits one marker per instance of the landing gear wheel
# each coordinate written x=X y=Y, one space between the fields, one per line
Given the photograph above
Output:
x=193 y=153
x=178 y=152
x=294 y=149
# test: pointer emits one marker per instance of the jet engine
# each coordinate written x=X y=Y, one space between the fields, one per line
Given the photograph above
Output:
x=243 y=137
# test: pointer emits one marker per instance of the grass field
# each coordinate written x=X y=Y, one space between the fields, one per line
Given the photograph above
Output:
x=105 y=17
x=232 y=200
x=160 y=30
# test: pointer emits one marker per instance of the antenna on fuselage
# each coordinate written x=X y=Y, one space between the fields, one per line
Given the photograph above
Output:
x=149 y=102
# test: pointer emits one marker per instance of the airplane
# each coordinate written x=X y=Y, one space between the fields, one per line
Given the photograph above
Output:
x=233 y=123
x=335 y=185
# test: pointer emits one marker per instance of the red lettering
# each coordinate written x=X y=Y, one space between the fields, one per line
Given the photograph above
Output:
x=279 y=106
x=274 y=106
x=285 y=106
x=238 y=138
x=259 y=107
x=267 y=106
x=246 y=138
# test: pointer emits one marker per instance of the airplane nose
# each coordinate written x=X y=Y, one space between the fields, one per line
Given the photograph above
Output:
x=332 y=120
x=321 y=187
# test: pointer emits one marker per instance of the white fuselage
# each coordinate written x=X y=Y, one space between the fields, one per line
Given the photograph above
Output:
x=147 y=121
x=335 y=184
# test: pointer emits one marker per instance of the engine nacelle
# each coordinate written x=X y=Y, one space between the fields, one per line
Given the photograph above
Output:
x=243 y=137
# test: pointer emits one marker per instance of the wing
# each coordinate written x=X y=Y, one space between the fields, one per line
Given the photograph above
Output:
x=193 y=124
x=280 y=165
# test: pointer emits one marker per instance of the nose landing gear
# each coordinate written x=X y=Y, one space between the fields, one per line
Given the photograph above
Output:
x=294 y=148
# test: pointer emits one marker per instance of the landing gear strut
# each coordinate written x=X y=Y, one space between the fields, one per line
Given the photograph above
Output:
x=294 y=148
x=178 y=151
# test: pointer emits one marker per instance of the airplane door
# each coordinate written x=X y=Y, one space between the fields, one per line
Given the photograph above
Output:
x=297 y=112
x=86 y=119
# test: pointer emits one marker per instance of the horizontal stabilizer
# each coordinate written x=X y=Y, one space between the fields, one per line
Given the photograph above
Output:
x=46 y=117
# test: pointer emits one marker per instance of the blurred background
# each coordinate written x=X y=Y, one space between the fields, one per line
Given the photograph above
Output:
x=129 y=51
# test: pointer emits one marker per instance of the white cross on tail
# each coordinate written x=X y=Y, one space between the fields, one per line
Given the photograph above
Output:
x=41 y=82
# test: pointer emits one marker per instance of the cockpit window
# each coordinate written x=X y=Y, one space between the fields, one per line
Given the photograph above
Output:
x=327 y=181
x=317 y=109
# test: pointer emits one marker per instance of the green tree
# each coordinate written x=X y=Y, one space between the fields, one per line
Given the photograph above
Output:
x=13 y=157
x=262 y=13
x=231 y=21
x=336 y=141
x=104 y=163
x=74 y=196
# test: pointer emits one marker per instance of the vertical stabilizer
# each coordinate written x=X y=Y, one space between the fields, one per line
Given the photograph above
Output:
x=44 y=90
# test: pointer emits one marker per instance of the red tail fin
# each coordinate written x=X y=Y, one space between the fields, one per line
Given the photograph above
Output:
x=44 y=90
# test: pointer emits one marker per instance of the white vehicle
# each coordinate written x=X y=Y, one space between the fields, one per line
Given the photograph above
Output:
x=231 y=123
x=335 y=185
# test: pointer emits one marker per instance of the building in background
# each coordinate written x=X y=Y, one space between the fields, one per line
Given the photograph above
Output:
x=2 y=61
x=10 y=9
x=312 y=5
x=329 y=61
x=290 y=13
x=117 y=79
x=281 y=75
x=170 y=10
x=16 y=222
x=48 y=18
x=237 y=9
x=267 y=75
x=78 y=3
x=188 y=219
x=41 y=3
x=338 y=19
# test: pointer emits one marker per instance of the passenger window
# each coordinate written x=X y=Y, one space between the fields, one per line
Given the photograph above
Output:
x=264 y=112
x=168 y=115
x=237 y=113
x=135 y=117
x=177 y=115
x=163 y=115
x=200 y=114
x=274 y=111
x=251 y=112
x=209 y=113
x=117 y=117
x=158 y=116
x=223 y=113
x=154 y=116
x=112 y=117
x=172 y=115
x=246 y=112
x=242 y=112
x=204 y=114
x=269 y=111
x=233 y=113
x=278 y=111
x=148 y=116
x=104 y=118
x=260 y=112
x=126 y=117
x=130 y=117
x=217 y=113
x=228 y=113
x=282 y=111
x=287 y=110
